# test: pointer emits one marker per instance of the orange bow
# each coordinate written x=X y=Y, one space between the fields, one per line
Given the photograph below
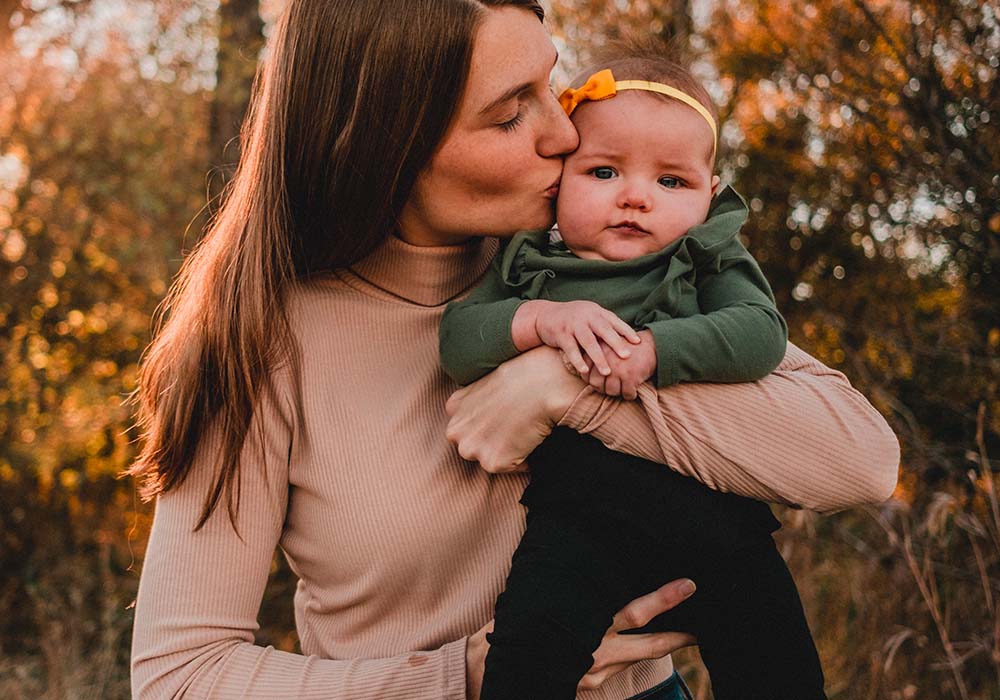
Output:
x=600 y=86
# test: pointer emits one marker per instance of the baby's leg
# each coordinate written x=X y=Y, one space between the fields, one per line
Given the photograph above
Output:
x=654 y=525
x=566 y=582
x=751 y=630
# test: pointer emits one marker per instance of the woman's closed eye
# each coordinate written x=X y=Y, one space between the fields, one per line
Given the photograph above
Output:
x=671 y=182
x=512 y=124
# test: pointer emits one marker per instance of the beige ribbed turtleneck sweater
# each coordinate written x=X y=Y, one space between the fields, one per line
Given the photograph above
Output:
x=401 y=547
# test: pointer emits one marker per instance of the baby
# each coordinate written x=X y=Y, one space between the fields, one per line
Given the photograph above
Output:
x=646 y=279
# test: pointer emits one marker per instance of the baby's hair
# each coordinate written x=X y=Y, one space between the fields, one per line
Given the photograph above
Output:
x=652 y=59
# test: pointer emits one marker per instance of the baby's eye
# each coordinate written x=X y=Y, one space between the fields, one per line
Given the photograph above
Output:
x=603 y=173
x=671 y=183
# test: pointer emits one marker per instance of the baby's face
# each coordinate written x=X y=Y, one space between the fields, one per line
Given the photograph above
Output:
x=640 y=179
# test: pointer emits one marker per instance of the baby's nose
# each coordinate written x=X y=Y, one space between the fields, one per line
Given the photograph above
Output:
x=634 y=197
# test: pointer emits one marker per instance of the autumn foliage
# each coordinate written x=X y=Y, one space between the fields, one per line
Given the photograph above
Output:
x=864 y=133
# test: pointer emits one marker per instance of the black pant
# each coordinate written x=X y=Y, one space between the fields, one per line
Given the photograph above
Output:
x=604 y=528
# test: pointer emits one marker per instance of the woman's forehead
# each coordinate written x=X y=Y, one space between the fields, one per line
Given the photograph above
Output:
x=511 y=51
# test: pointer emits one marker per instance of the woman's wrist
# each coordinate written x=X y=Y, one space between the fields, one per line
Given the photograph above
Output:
x=561 y=386
x=475 y=662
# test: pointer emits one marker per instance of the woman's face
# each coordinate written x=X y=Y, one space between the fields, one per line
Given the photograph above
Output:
x=497 y=170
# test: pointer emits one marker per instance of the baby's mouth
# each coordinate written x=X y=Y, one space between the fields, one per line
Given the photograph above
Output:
x=629 y=228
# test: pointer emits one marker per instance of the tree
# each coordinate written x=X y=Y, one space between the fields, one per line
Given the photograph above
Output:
x=878 y=144
x=240 y=41
x=102 y=155
x=865 y=136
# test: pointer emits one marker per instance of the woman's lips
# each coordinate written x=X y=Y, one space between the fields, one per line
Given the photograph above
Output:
x=553 y=191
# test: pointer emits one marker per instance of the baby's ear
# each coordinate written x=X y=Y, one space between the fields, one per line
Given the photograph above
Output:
x=715 y=184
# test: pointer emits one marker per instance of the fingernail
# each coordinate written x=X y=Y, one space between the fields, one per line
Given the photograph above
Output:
x=605 y=371
x=625 y=354
x=687 y=588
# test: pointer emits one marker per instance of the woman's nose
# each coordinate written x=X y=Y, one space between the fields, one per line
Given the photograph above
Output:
x=558 y=136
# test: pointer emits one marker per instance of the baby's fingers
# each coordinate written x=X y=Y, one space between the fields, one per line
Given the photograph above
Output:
x=588 y=341
x=624 y=330
x=572 y=354
x=611 y=335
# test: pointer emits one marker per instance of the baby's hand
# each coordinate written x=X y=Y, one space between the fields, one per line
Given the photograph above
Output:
x=577 y=327
x=627 y=373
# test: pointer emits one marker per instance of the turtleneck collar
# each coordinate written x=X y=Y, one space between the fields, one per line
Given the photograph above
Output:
x=426 y=275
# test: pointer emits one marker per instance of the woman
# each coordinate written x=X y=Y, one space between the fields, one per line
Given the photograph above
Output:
x=296 y=381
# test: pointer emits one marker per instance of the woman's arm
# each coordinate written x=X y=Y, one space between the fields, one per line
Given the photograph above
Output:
x=200 y=593
x=800 y=436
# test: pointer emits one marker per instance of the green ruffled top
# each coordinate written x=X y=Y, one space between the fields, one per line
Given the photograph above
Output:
x=703 y=297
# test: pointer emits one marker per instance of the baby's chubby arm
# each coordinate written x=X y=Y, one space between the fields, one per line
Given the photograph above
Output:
x=739 y=336
x=493 y=325
x=475 y=333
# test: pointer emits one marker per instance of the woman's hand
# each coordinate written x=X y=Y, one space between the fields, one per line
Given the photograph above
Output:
x=475 y=662
x=616 y=652
x=619 y=651
x=500 y=419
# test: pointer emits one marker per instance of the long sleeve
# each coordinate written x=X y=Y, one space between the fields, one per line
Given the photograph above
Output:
x=475 y=334
x=801 y=436
x=200 y=593
x=739 y=336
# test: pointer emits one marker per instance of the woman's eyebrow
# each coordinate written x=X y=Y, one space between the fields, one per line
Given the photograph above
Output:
x=509 y=95
x=512 y=93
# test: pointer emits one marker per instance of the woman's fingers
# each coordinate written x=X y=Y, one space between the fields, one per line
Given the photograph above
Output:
x=452 y=404
x=613 y=386
x=630 y=391
x=621 y=651
x=500 y=419
x=596 y=381
x=618 y=652
x=644 y=608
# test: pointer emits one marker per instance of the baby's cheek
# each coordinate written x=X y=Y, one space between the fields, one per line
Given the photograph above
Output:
x=573 y=211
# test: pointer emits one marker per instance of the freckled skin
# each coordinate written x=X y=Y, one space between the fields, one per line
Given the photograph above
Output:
x=487 y=179
x=642 y=159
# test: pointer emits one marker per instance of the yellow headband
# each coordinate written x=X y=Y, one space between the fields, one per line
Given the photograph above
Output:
x=602 y=86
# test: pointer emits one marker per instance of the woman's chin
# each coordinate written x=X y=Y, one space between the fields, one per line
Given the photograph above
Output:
x=544 y=220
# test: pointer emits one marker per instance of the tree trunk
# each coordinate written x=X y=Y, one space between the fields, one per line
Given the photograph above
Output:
x=241 y=38
x=677 y=23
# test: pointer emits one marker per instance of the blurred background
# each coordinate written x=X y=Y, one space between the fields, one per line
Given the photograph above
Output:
x=864 y=133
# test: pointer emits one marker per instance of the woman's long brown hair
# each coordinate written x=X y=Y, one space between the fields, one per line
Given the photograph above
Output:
x=347 y=108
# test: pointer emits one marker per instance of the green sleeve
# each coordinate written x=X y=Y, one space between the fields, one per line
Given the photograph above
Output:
x=739 y=336
x=475 y=334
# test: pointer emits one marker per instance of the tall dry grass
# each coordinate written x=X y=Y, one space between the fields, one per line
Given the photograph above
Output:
x=902 y=598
